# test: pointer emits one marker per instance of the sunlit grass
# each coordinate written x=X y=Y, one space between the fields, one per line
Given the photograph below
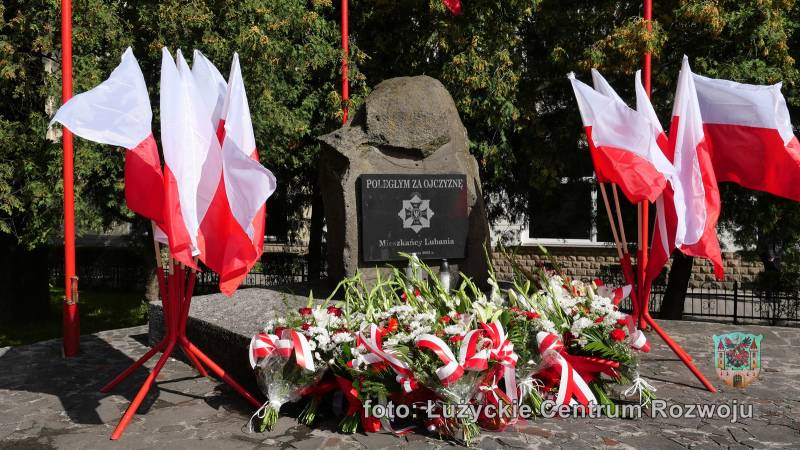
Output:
x=99 y=310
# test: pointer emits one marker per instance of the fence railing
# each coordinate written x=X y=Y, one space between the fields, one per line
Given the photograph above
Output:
x=739 y=304
x=278 y=269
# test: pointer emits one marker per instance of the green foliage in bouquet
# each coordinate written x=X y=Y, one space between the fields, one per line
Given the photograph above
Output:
x=405 y=335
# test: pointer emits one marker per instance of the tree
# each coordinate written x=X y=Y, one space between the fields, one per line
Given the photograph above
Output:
x=290 y=62
x=30 y=165
x=505 y=64
x=290 y=56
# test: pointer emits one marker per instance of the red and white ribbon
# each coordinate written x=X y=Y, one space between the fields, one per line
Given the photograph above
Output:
x=617 y=295
x=470 y=357
x=502 y=351
x=451 y=371
x=636 y=337
x=262 y=345
x=571 y=385
x=373 y=344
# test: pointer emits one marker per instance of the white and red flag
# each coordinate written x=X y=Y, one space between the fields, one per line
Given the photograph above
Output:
x=699 y=210
x=117 y=112
x=213 y=87
x=623 y=144
x=192 y=158
x=646 y=110
x=238 y=207
x=750 y=131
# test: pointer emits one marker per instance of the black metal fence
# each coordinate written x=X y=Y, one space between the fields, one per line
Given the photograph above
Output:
x=277 y=270
x=739 y=303
x=106 y=277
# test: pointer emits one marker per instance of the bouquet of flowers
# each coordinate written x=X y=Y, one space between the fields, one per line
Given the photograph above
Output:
x=583 y=333
x=409 y=338
x=291 y=355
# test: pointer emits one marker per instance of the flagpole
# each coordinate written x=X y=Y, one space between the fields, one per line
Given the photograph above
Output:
x=619 y=219
x=345 y=57
x=71 y=321
x=611 y=220
x=645 y=205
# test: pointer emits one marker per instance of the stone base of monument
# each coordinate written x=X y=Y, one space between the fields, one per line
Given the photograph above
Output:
x=222 y=326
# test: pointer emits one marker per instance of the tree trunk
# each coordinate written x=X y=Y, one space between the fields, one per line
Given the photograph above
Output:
x=315 y=236
x=151 y=293
x=678 y=283
x=24 y=280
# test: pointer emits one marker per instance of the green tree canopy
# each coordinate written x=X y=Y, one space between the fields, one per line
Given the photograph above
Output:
x=504 y=62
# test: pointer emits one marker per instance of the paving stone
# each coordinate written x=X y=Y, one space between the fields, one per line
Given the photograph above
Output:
x=50 y=402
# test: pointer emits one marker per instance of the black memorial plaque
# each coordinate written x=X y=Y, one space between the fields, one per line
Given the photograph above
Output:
x=422 y=214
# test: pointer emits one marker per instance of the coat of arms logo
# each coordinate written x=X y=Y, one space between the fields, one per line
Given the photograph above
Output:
x=416 y=213
x=737 y=358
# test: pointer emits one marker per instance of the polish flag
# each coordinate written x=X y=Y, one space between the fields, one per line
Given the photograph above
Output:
x=645 y=109
x=237 y=210
x=623 y=144
x=192 y=156
x=117 y=112
x=688 y=225
x=750 y=131
x=213 y=87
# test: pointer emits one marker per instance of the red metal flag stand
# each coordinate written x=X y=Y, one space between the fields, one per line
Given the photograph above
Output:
x=176 y=296
x=643 y=318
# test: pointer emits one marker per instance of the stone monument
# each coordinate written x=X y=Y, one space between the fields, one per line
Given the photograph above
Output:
x=399 y=177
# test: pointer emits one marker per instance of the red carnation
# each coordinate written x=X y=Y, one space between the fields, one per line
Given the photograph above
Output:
x=456 y=338
x=305 y=326
x=445 y=319
x=279 y=331
x=598 y=320
x=335 y=311
x=622 y=322
x=618 y=335
x=531 y=315
x=391 y=327
x=305 y=311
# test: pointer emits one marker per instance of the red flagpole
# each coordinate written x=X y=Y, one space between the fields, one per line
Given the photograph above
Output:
x=644 y=288
x=71 y=319
x=644 y=299
x=345 y=57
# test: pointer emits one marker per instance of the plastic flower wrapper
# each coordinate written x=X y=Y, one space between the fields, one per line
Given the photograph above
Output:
x=377 y=368
x=593 y=337
x=455 y=379
x=284 y=366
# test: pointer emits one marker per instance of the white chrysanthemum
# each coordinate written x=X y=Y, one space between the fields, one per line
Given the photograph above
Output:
x=323 y=339
x=548 y=325
x=340 y=338
x=579 y=325
x=567 y=302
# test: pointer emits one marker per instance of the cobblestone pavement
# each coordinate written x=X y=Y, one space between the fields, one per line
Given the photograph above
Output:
x=50 y=402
